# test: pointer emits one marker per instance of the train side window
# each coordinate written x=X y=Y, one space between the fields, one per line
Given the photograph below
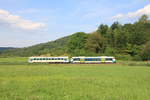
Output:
x=44 y=58
x=76 y=59
x=86 y=59
x=65 y=59
x=50 y=59
x=91 y=59
x=97 y=59
x=108 y=59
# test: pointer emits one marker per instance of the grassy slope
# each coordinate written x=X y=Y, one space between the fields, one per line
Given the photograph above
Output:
x=73 y=82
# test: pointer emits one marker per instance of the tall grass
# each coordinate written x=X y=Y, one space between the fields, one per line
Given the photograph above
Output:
x=74 y=82
x=13 y=61
x=135 y=63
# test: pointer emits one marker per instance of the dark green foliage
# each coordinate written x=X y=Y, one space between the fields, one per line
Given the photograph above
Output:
x=121 y=39
x=96 y=43
x=102 y=29
x=138 y=35
x=146 y=51
x=76 y=44
x=115 y=25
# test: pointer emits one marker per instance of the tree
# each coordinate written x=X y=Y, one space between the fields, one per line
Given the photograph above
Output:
x=145 y=54
x=115 y=25
x=96 y=43
x=143 y=19
x=110 y=39
x=77 y=42
x=120 y=38
x=137 y=35
x=133 y=49
x=102 y=29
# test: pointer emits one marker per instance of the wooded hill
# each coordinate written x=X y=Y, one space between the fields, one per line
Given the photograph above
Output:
x=52 y=48
x=6 y=48
x=127 y=42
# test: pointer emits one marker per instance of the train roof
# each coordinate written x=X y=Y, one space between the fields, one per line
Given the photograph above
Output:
x=74 y=57
x=49 y=57
x=94 y=57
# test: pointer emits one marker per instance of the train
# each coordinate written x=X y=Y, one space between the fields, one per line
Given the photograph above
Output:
x=73 y=60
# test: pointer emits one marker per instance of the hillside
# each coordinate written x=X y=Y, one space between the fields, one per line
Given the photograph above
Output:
x=53 y=47
x=6 y=48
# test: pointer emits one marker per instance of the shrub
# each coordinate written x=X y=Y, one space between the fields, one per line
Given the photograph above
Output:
x=137 y=58
x=145 y=54
x=123 y=57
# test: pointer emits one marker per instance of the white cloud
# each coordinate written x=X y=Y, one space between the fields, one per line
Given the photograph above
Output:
x=119 y=16
x=14 y=21
x=138 y=13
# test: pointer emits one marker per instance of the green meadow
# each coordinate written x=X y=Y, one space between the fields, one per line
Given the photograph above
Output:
x=22 y=81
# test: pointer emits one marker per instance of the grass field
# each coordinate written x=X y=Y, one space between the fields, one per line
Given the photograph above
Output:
x=22 y=81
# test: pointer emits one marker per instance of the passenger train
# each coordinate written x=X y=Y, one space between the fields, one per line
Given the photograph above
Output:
x=73 y=60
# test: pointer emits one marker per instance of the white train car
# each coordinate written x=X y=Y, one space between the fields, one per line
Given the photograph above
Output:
x=94 y=60
x=48 y=60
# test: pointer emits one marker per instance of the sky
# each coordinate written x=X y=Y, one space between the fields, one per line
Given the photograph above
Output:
x=28 y=22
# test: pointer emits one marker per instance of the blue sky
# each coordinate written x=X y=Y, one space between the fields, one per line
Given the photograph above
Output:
x=28 y=22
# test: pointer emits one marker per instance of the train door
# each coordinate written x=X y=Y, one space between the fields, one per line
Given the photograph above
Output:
x=103 y=60
x=81 y=60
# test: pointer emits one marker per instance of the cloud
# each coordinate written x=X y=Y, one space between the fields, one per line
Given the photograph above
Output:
x=29 y=11
x=14 y=21
x=138 y=13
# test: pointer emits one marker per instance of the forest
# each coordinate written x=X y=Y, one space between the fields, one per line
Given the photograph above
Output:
x=129 y=41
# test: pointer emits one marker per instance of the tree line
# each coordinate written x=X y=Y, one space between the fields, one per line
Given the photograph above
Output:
x=128 y=41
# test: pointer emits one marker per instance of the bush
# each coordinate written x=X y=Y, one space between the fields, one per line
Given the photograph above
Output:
x=137 y=58
x=110 y=51
x=145 y=54
x=123 y=57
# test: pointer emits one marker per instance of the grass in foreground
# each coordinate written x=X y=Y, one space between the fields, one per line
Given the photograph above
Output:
x=74 y=82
